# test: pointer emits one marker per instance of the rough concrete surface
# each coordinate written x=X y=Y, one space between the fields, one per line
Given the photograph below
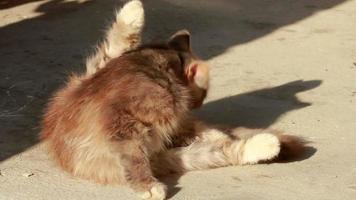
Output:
x=285 y=64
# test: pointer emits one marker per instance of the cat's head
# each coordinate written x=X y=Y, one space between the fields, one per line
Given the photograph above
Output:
x=196 y=71
x=175 y=57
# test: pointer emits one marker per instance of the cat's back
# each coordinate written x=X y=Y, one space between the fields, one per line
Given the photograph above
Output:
x=130 y=79
x=131 y=87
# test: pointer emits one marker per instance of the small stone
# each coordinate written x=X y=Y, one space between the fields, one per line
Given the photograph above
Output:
x=28 y=174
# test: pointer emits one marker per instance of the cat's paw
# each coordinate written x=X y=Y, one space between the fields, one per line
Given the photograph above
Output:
x=157 y=192
x=261 y=147
x=132 y=14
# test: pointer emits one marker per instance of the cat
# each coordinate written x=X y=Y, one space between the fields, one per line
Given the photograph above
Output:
x=128 y=119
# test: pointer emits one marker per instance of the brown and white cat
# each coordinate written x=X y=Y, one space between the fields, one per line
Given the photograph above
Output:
x=128 y=119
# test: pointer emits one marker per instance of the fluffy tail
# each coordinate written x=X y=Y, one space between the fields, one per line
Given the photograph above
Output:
x=123 y=35
x=292 y=147
x=216 y=149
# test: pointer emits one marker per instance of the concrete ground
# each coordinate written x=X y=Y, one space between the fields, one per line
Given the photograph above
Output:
x=285 y=64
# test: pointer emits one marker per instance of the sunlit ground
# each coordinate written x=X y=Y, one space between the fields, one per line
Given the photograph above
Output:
x=290 y=65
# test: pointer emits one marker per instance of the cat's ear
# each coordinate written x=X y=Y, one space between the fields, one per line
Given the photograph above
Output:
x=198 y=74
x=180 y=41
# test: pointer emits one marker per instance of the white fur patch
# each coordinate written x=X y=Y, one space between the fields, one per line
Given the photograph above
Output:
x=132 y=14
x=264 y=146
x=213 y=135
x=123 y=35
x=157 y=192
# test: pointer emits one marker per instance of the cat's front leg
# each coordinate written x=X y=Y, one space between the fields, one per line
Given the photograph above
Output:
x=137 y=171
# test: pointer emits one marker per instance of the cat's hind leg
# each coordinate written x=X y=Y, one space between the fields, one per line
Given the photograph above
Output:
x=123 y=35
x=260 y=147
x=258 y=144
x=216 y=148
x=137 y=170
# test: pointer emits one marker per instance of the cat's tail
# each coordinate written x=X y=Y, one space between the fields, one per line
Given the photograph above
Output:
x=218 y=150
x=292 y=147
x=123 y=35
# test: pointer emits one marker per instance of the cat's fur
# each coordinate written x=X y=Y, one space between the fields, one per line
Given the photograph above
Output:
x=123 y=35
x=128 y=121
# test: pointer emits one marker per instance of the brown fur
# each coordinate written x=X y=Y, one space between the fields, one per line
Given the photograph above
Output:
x=292 y=147
x=128 y=121
x=106 y=126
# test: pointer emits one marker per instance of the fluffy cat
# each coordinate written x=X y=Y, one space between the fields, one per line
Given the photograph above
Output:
x=128 y=119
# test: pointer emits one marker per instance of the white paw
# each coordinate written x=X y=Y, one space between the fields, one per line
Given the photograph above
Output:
x=132 y=14
x=263 y=146
x=157 y=192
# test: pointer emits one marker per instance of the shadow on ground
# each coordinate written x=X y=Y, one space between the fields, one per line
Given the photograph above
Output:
x=259 y=108
x=255 y=109
x=38 y=53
